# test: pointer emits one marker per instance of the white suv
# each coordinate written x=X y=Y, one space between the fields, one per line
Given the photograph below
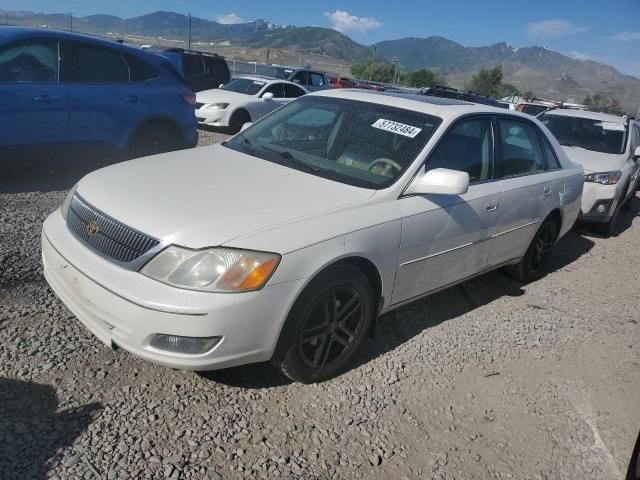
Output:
x=608 y=147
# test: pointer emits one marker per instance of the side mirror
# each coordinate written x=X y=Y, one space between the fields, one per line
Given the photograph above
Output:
x=245 y=126
x=267 y=97
x=439 y=181
x=636 y=154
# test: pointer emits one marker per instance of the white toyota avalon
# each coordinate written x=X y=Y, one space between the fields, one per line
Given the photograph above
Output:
x=286 y=242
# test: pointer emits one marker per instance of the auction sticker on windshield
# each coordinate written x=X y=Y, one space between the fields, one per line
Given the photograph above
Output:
x=395 y=127
x=616 y=127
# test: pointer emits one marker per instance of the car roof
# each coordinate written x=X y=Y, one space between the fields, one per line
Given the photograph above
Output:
x=446 y=108
x=571 y=112
x=10 y=34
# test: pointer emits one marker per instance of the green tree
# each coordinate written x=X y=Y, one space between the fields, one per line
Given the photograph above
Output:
x=423 y=78
x=506 y=89
x=487 y=82
x=602 y=103
x=382 y=71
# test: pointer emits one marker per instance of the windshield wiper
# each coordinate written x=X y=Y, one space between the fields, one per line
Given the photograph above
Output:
x=293 y=159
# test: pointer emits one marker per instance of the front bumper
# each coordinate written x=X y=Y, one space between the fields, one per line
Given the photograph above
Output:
x=213 y=118
x=594 y=196
x=127 y=309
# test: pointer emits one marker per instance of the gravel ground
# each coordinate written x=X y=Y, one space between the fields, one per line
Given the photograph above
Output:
x=490 y=379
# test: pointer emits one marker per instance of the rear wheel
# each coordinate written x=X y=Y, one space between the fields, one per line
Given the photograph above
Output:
x=327 y=325
x=153 y=139
x=238 y=119
x=532 y=266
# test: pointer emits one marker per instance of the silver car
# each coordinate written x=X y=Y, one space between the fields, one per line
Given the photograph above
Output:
x=286 y=242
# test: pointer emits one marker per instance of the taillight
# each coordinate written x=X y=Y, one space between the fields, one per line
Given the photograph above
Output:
x=190 y=98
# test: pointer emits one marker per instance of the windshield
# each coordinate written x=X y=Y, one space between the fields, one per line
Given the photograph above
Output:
x=277 y=72
x=587 y=133
x=244 y=85
x=357 y=143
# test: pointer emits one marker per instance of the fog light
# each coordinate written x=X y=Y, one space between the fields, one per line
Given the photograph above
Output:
x=601 y=208
x=186 y=345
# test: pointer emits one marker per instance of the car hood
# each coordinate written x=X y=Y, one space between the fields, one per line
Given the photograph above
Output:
x=218 y=95
x=594 y=161
x=208 y=196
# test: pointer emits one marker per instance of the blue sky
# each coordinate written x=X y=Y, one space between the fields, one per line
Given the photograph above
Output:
x=606 y=31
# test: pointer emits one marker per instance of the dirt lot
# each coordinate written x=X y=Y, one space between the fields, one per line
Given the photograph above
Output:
x=490 y=379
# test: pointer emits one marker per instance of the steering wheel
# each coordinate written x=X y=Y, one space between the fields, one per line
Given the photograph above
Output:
x=384 y=167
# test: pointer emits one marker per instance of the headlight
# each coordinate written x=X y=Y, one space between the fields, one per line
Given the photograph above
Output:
x=212 y=270
x=217 y=106
x=64 y=208
x=604 y=178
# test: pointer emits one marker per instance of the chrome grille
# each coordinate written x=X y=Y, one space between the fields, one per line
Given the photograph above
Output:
x=112 y=239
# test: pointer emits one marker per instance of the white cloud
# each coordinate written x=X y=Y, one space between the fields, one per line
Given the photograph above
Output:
x=579 y=55
x=625 y=37
x=230 y=19
x=343 y=21
x=547 y=29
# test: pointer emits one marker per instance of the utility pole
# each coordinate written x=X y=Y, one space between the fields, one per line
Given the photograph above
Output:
x=268 y=36
x=71 y=21
x=395 y=71
x=373 y=63
x=189 y=42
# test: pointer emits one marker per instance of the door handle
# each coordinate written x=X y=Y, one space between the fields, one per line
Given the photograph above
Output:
x=490 y=207
x=134 y=99
x=45 y=98
x=547 y=190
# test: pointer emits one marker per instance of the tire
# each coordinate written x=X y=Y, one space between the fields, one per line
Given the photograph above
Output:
x=532 y=266
x=238 y=119
x=326 y=326
x=153 y=139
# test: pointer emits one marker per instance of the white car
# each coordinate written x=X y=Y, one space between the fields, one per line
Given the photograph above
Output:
x=608 y=147
x=286 y=242
x=244 y=99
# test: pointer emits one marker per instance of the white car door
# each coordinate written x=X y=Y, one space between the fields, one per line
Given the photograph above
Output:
x=529 y=188
x=279 y=98
x=447 y=238
x=633 y=161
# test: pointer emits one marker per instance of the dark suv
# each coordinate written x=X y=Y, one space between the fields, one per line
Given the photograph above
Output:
x=66 y=89
x=201 y=70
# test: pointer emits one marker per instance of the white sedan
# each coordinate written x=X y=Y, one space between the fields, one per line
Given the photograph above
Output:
x=608 y=147
x=286 y=242
x=244 y=99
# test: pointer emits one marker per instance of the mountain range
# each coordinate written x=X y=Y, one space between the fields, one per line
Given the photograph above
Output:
x=537 y=69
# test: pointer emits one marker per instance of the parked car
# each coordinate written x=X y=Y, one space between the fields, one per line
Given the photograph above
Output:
x=286 y=242
x=201 y=70
x=61 y=88
x=533 y=108
x=312 y=80
x=342 y=82
x=244 y=99
x=608 y=147
x=450 y=92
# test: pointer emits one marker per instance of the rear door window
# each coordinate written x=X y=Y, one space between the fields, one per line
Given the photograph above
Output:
x=193 y=64
x=292 y=91
x=550 y=154
x=521 y=153
x=33 y=61
x=90 y=64
x=139 y=69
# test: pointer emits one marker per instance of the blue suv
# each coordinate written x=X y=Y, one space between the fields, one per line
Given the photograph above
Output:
x=59 y=89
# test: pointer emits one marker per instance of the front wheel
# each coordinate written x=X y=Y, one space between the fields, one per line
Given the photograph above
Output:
x=153 y=139
x=532 y=266
x=327 y=325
